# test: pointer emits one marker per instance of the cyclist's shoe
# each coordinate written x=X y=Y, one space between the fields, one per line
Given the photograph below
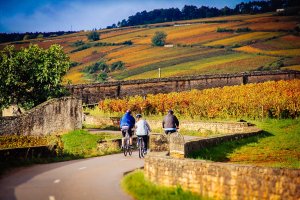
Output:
x=145 y=152
x=131 y=146
x=122 y=147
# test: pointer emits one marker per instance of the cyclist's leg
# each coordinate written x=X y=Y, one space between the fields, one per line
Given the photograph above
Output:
x=145 y=138
x=123 y=137
x=130 y=132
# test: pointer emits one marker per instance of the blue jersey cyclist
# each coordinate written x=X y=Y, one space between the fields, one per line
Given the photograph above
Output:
x=126 y=124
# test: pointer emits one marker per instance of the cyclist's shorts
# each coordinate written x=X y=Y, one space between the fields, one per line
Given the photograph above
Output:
x=130 y=132
x=170 y=131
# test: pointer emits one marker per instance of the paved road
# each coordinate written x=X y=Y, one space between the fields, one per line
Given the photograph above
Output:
x=94 y=178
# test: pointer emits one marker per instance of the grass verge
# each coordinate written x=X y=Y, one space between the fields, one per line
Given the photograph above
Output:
x=82 y=143
x=138 y=187
x=76 y=145
x=278 y=146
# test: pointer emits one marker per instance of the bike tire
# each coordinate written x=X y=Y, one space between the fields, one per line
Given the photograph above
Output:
x=125 y=150
x=141 y=148
x=140 y=152
x=129 y=151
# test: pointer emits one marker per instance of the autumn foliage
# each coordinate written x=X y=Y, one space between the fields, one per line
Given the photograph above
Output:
x=270 y=99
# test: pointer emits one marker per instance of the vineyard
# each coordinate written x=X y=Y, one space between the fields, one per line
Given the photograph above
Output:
x=270 y=99
x=229 y=63
x=196 y=47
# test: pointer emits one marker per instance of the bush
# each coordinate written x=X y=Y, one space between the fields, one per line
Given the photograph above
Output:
x=128 y=42
x=74 y=64
x=221 y=30
x=159 y=39
x=102 y=77
x=93 y=35
x=96 y=67
x=78 y=43
x=117 y=66
x=83 y=47
x=246 y=29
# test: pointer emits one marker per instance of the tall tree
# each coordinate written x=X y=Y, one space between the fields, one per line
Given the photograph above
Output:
x=32 y=75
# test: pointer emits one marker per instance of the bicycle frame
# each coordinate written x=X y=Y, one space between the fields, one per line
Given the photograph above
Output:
x=126 y=147
x=141 y=147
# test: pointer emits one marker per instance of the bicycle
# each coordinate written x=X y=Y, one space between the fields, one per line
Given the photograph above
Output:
x=141 y=147
x=127 y=147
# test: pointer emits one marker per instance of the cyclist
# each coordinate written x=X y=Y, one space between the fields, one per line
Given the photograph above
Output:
x=170 y=123
x=142 y=130
x=126 y=124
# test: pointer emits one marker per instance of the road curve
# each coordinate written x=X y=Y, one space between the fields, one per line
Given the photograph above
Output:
x=93 y=178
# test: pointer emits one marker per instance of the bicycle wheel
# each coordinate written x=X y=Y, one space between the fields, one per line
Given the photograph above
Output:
x=141 y=148
x=129 y=150
x=125 y=150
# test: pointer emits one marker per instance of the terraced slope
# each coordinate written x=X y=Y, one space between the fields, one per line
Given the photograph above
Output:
x=196 y=47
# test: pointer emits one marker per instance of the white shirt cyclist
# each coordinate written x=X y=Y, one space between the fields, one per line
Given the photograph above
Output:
x=142 y=127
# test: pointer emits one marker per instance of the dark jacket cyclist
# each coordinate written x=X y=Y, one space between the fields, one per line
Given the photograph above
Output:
x=170 y=123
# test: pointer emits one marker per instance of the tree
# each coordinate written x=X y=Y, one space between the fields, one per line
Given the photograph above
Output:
x=94 y=35
x=159 y=39
x=102 y=77
x=32 y=75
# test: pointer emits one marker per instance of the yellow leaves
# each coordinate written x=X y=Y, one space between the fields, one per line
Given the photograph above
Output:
x=275 y=99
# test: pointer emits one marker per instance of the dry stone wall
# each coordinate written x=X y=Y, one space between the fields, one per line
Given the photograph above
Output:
x=93 y=93
x=223 y=180
x=166 y=165
x=55 y=115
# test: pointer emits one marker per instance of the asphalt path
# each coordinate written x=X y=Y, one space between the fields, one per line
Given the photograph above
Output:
x=93 y=178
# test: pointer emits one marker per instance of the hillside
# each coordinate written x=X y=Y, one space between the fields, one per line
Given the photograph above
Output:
x=243 y=43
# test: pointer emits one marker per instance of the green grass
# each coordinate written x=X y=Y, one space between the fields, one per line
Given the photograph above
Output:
x=82 y=143
x=139 y=188
x=278 y=146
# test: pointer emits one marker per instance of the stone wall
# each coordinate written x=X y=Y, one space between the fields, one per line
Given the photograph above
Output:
x=93 y=93
x=53 y=116
x=214 y=179
x=223 y=180
x=215 y=127
x=196 y=145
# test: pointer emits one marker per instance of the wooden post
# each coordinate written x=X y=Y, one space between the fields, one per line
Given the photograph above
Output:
x=159 y=73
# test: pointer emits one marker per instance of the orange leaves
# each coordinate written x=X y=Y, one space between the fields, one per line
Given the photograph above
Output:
x=269 y=99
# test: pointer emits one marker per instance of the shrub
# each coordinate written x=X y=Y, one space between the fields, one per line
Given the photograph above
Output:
x=246 y=29
x=83 y=47
x=117 y=66
x=74 y=64
x=128 y=42
x=93 y=35
x=78 y=43
x=159 y=39
x=220 y=30
x=102 y=77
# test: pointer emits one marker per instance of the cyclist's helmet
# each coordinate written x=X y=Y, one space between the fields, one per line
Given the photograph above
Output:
x=170 y=111
x=128 y=111
x=138 y=116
